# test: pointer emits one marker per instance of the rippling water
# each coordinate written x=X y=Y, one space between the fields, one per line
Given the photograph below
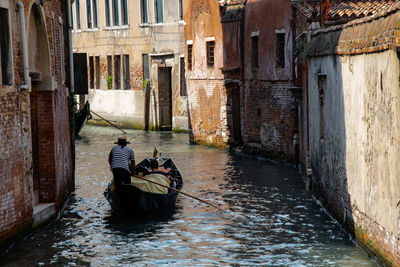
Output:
x=269 y=219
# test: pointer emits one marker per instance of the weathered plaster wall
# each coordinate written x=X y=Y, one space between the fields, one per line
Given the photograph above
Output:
x=124 y=106
x=206 y=89
x=134 y=40
x=356 y=163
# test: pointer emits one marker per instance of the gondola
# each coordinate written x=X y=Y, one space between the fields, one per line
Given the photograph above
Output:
x=129 y=200
x=81 y=117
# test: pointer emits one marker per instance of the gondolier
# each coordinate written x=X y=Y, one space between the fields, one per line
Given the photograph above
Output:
x=122 y=162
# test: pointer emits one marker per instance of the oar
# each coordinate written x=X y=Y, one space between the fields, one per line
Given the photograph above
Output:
x=179 y=191
x=105 y=119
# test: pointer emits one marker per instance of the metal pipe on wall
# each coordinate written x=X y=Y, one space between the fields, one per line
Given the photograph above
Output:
x=71 y=57
x=26 y=85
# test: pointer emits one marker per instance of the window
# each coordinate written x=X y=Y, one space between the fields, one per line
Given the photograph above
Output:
x=159 y=11
x=210 y=53
x=72 y=17
x=145 y=63
x=280 y=50
x=190 y=56
x=143 y=11
x=5 y=48
x=91 y=72
x=109 y=72
x=117 y=71
x=97 y=70
x=182 y=77
x=124 y=12
x=107 y=9
x=89 y=14
x=78 y=14
x=95 y=24
x=254 y=52
x=180 y=10
x=125 y=64
x=115 y=12
x=321 y=92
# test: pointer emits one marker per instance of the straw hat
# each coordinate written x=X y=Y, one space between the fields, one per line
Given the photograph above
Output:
x=122 y=141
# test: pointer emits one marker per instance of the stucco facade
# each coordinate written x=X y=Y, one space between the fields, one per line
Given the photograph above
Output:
x=354 y=112
x=145 y=48
x=36 y=172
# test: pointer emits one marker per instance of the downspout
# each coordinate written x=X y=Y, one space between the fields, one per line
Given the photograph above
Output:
x=71 y=58
x=26 y=85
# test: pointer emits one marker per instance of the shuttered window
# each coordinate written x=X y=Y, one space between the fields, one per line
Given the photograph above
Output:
x=159 y=11
x=210 y=53
x=144 y=13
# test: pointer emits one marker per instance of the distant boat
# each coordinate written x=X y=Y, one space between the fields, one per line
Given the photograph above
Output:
x=81 y=117
x=129 y=200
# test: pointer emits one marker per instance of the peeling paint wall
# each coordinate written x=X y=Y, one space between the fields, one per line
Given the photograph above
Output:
x=206 y=86
x=354 y=132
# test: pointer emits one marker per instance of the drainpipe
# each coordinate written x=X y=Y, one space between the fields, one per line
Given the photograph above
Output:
x=25 y=63
x=71 y=57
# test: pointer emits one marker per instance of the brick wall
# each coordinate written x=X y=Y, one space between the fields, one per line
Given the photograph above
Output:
x=16 y=173
x=15 y=189
x=208 y=104
x=270 y=120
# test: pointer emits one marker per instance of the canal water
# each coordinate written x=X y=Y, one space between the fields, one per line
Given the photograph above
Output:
x=270 y=219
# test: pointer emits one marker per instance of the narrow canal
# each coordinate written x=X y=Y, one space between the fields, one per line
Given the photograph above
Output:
x=270 y=218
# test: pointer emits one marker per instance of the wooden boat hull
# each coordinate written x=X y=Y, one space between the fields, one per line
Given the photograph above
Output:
x=128 y=200
x=81 y=117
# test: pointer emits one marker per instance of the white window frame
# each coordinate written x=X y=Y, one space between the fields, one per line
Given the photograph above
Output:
x=111 y=15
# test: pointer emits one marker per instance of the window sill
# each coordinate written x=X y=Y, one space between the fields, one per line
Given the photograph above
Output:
x=92 y=30
x=144 y=25
x=115 y=28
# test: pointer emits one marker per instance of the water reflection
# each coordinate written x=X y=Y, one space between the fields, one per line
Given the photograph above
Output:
x=269 y=218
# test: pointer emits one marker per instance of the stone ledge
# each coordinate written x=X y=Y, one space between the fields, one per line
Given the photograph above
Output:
x=42 y=213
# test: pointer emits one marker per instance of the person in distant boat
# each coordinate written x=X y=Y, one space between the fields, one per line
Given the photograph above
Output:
x=122 y=162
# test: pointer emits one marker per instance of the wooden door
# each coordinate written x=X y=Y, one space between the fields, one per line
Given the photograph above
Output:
x=165 y=98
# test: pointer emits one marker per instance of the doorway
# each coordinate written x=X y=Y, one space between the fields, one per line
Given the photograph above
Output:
x=40 y=99
x=165 y=98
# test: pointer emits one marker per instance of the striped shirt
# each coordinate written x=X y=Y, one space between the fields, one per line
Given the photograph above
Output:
x=121 y=157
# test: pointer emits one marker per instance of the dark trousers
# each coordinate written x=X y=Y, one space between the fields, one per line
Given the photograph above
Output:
x=121 y=176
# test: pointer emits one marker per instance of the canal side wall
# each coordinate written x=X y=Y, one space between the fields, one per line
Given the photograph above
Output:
x=206 y=89
x=354 y=108
x=30 y=175
x=270 y=98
